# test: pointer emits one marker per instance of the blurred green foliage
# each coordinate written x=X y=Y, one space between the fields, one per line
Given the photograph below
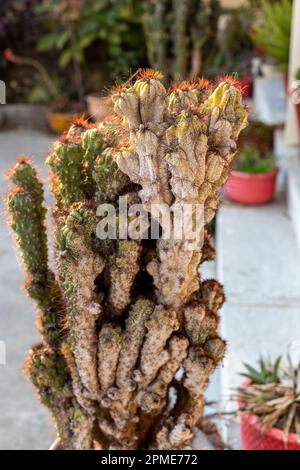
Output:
x=273 y=30
x=251 y=161
x=111 y=27
x=268 y=372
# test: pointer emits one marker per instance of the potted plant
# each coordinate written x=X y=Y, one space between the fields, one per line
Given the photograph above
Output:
x=272 y=35
x=253 y=178
x=269 y=403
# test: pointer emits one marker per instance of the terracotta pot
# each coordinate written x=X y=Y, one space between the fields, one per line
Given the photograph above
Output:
x=99 y=107
x=253 y=437
x=60 y=122
x=247 y=188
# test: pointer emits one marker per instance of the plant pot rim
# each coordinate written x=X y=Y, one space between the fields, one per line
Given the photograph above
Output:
x=243 y=174
x=254 y=421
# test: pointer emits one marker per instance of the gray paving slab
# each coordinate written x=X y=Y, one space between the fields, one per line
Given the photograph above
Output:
x=257 y=255
x=24 y=423
x=258 y=261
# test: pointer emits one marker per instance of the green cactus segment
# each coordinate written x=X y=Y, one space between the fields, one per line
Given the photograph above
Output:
x=110 y=181
x=25 y=205
x=79 y=265
x=73 y=236
x=49 y=373
x=188 y=93
x=66 y=163
x=76 y=229
x=84 y=167
x=28 y=217
x=93 y=144
x=226 y=103
x=103 y=179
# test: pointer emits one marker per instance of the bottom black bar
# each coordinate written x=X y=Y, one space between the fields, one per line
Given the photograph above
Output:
x=142 y=459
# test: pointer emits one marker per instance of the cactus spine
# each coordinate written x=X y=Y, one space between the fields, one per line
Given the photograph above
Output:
x=127 y=315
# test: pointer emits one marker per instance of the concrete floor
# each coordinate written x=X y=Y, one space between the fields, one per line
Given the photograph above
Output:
x=258 y=263
x=24 y=423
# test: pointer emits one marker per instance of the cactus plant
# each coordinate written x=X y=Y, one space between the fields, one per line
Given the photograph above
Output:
x=129 y=330
x=181 y=35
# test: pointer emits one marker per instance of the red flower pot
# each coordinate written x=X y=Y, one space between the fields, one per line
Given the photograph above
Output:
x=253 y=437
x=247 y=188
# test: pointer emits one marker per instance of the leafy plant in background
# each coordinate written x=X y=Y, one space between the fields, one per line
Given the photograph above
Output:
x=273 y=30
x=265 y=374
x=259 y=136
x=251 y=161
x=297 y=75
x=181 y=35
x=113 y=27
x=273 y=395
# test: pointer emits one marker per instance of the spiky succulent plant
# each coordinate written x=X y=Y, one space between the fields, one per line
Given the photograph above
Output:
x=121 y=316
x=273 y=394
x=266 y=373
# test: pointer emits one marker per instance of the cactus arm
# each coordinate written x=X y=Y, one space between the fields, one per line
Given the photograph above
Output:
x=144 y=104
x=66 y=163
x=48 y=371
x=153 y=353
x=123 y=267
x=197 y=174
x=79 y=267
x=109 y=347
x=27 y=219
